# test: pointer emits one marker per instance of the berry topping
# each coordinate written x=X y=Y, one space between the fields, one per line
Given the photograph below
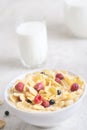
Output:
x=7 y=113
x=60 y=76
x=52 y=102
x=58 y=80
x=58 y=92
x=74 y=87
x=42 y=72
x=19 y=87
x=29 y=101
x=38 y=99
x=39 y=86
x=45 y=103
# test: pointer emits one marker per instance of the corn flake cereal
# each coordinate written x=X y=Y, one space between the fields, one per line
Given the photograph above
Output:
x=46 y=91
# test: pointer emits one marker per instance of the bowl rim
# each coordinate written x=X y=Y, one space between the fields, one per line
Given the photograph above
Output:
x=40 y=112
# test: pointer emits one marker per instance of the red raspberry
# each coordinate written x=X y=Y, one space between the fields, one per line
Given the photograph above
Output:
x=58 y=80
x=74 y=87
x=19 y=87
x=39 y=86
x=38 y=99
x=45 y=103
x=60 y=76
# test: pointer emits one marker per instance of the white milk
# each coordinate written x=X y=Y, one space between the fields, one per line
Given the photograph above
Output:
x=32 y=43
x=76 y=2
x=76 y=17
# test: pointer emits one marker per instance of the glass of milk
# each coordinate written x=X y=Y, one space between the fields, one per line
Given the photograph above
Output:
x=32 y=41
x=76 y=17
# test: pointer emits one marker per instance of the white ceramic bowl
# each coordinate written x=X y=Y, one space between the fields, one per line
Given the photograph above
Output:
x=43 y=119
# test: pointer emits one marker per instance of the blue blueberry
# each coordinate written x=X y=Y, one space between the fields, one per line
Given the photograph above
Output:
x=58 y=92
x=29 y=101
x=7 y=113
x=52 y=101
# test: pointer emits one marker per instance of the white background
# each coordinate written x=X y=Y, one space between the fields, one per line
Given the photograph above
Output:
x=64 y=51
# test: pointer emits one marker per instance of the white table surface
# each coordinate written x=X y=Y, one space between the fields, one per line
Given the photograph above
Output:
x=64 y=52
